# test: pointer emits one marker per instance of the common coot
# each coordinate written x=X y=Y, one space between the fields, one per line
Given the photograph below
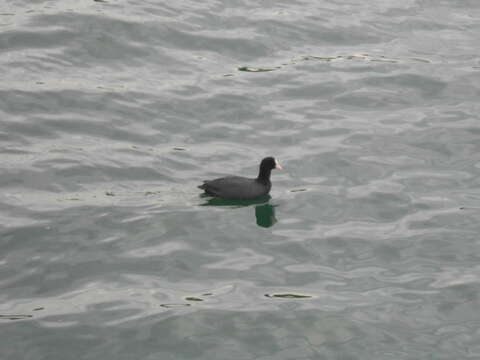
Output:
x=242 y=188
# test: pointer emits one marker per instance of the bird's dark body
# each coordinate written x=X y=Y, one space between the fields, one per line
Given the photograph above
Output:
x=236 y=188
x=242 y=188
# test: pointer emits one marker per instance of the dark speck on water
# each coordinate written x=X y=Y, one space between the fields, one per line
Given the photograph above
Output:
x=288 y=296
x=191 y=298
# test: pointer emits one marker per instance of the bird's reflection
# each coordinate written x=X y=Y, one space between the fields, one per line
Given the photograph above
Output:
x=264 y=211
x=265 y=215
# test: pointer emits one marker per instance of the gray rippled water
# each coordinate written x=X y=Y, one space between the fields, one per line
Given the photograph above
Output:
x=112 y=112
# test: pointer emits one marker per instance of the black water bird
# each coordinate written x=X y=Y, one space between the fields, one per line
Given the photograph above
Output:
x=242 y=188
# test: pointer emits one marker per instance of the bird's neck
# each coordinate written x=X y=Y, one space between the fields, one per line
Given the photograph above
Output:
x=264 y=175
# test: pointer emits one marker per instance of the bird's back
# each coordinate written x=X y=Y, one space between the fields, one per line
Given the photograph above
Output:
x=236 y=188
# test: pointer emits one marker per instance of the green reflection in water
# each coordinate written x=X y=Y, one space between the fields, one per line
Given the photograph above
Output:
x=265 y=215
x=264 y=211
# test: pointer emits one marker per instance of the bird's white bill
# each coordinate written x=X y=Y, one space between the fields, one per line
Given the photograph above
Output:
x=278 y=166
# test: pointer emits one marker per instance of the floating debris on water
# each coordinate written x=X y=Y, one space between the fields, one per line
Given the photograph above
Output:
x=15 y=317
x=421 y=60
x=192 y=298
x=174 y=305
x=288 y=296
x=250 y=69
x=109 y=193
x=364 y=57
x=321 y=58
x=384 y=60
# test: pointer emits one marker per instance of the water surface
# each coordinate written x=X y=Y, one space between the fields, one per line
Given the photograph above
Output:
x=112 y=112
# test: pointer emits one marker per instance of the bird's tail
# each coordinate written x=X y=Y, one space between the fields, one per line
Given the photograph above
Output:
x=204 y=185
